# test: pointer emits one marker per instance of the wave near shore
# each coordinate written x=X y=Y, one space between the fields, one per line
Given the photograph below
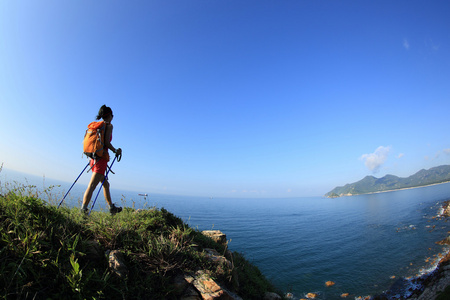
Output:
x=430 y=284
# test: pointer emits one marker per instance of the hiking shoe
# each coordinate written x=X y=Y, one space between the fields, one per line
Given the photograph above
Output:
x=113 y=209
x=84 y=212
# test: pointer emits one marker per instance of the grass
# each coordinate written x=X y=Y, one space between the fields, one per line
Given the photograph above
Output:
x=51 y=253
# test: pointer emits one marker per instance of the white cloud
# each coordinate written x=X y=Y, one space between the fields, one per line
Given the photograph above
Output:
x=446 y=151
x=401 y=155
x=406 y=44
x=375 y=160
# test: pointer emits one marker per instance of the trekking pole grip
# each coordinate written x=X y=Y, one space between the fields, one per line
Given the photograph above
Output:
x=119 y=156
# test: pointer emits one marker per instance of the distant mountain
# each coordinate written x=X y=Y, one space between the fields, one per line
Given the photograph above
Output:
x=370 y=184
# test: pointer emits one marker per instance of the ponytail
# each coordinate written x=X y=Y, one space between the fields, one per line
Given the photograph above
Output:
x=104 y=112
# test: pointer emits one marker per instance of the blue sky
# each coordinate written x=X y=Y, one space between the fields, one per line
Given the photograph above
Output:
x=227 y=98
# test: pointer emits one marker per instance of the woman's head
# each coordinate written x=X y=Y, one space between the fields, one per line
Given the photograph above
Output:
x=104 y=112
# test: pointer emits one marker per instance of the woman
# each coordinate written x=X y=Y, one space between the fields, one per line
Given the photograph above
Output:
x=99 y=165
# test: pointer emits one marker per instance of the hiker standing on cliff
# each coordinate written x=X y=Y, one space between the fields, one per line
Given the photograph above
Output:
x=99 y=164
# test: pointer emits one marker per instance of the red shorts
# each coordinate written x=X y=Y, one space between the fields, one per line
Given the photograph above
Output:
x=100 y=166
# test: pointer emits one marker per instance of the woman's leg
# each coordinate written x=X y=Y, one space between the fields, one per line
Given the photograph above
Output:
x=113 y=209
x=107 y=193
x=95 y=179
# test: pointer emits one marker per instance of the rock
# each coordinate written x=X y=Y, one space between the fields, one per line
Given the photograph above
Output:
x=446 y=208
x=444 y=242
x=201 y=287
x=216 y=235
x=183 y=286
x=329 y=283
x=214 y=256
x=271 y=296
x=116 y=264
x=190 y=279
x=209 y=289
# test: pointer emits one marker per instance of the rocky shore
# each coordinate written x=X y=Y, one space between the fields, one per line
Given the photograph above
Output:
x=431 y=286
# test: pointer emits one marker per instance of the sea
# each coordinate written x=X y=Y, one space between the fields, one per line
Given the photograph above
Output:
x=364 y=244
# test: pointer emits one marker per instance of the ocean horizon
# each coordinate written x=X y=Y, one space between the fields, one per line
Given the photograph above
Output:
x=363 y=243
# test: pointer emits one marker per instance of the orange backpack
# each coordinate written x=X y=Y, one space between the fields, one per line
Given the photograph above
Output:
x=94 y=140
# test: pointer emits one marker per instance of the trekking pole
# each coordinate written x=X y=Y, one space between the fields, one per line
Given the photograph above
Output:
x=119 y=157
x=72 y=185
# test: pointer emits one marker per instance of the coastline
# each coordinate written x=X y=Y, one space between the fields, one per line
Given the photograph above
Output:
x=432 y=284
x=436 y=282
x=394 y=190
x=408 y=188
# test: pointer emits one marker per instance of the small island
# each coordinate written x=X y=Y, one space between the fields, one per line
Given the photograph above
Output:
x=371 y=184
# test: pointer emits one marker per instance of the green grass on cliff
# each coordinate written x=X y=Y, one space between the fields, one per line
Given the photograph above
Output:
x=51 y=253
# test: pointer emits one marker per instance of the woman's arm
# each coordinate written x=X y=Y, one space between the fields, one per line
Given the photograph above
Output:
x=108 y=134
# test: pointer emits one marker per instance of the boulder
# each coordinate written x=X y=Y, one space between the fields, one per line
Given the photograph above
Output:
x=444 y=242
x=446 y=208
x=116 y=264
x=329 y=283
x=201 y=287
x=183 y=287
x=209 y=289
x=214 y=256
x=216 y=235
